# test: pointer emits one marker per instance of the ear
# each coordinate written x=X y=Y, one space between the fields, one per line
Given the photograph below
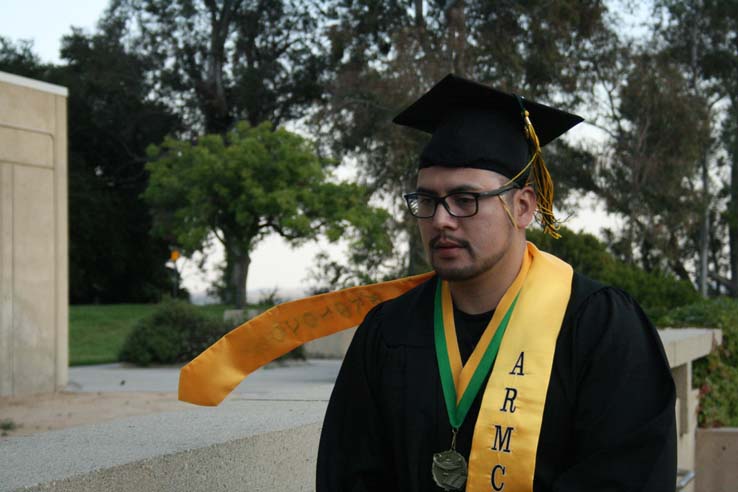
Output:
x=524 y=206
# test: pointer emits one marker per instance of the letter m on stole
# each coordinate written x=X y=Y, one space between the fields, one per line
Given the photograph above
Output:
x=501 y=441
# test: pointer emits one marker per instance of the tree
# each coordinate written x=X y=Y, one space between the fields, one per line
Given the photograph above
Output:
x=221 y=62
x=719 y=63
x=251 y=182
x=700 y=35
x=19 y=59
x=217 y=63
x=385 y=54
x=112 y=257
x=730 y=216
x=660 y=128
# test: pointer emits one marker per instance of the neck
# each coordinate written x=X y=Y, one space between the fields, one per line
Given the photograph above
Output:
x=482 y=293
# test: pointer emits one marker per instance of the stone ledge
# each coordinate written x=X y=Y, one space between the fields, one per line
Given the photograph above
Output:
x=683 y=345
x=240 y=445
x=38 y=85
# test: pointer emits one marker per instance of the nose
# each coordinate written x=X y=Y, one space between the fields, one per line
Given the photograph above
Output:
x=443 y=219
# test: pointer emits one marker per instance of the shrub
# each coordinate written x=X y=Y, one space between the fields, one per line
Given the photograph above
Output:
x=175 y=332
x=716 y=375
x=656 y=292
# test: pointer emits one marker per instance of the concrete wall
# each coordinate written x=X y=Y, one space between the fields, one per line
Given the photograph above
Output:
x=717 y=457
x=330 y=347
x=33 y=236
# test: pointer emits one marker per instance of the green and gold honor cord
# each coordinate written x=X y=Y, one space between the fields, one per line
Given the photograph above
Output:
x=457 y=411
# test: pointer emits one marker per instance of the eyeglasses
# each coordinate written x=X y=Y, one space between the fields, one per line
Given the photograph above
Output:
x=458 y=204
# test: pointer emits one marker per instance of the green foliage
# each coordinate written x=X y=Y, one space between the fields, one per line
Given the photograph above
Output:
x=175 y=332
x=112 y=256
x=253 y=182
x=221 y=62
x=662 y=134
x=383 y=55
x=716 y=375
x=19 y=59
x=97 y=332
x=657 y=292
x=669 y=303
x=8 y=425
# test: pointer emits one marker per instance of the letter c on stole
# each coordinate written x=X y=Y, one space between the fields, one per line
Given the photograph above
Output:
x=494 y=482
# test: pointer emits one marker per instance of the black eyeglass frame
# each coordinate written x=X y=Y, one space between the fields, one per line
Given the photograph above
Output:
x=442 y=200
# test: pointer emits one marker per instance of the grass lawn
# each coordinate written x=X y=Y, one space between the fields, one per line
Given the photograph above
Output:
x=97 y=332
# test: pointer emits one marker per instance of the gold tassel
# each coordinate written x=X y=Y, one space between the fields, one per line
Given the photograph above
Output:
x=542 y=181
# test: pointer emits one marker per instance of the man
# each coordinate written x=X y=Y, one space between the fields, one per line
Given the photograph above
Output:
x=506 y=371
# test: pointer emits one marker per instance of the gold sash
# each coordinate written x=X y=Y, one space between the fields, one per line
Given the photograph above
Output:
x=505 y=442
x=213 y=374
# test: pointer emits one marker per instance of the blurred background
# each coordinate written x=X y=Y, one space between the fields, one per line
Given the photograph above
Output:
x=240 y=153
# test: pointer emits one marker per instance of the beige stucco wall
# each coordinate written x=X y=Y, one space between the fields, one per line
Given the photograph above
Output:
x=33 y=236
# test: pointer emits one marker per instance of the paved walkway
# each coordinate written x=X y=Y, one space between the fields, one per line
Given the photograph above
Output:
x=311 y=380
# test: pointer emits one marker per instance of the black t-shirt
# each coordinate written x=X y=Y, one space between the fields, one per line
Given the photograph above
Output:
x=469 y=329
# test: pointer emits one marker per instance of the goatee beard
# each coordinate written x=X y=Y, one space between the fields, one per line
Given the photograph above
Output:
x=452 y=274
x=460 y=274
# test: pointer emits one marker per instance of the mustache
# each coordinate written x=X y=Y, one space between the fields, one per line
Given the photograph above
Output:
x=433 y=243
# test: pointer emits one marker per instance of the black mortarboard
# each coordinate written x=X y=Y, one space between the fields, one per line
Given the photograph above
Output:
x=473 y=125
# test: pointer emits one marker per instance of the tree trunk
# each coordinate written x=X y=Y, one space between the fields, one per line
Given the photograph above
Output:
x=704 y=240
x=239 y=277
x=733 y=211
x=419 y=17
x=704 y=229
x=456 y=20
x=211 y=89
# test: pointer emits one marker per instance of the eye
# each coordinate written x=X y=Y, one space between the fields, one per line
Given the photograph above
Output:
x=424 y=200
x=463 y=200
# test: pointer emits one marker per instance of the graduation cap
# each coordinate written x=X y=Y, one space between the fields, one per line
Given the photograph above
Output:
x=473 y=125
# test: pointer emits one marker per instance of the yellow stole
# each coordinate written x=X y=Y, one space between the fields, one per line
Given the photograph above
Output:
x=505 y=441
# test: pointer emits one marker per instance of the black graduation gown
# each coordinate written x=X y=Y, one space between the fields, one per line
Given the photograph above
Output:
x=608 y=424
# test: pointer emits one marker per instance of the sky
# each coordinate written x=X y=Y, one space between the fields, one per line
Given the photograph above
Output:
x=274 y=263
x=46 y=21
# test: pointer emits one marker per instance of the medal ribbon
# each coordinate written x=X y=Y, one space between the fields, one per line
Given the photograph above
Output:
x=461 y=384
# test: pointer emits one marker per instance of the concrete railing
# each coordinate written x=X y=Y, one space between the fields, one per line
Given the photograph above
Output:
x=682 y=346
x=261 y=445
x=330 y=347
